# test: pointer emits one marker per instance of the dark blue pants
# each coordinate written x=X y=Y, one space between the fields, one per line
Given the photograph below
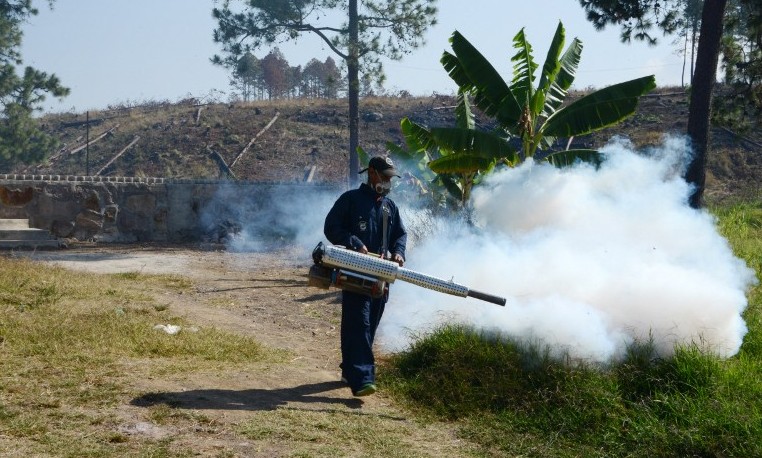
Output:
x=360 y=315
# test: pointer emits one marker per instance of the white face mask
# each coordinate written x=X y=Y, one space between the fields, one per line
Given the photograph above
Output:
x=382 y=187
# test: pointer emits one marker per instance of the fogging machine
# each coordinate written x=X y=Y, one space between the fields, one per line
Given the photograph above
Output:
x=368 y=274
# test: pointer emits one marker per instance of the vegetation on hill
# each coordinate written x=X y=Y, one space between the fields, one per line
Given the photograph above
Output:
x=175 y=139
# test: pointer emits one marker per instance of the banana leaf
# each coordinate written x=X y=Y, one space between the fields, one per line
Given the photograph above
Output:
x=415 y=161
x=568 y=158
x=464 y=117
x=460 y=163
x=450 y=185
x=556 y=93
x=453 y=68
x=522 y=85
x=549 y=70
x=418 y=138
x=363 y=157
x=600 y=109
x=473 y=142
x=471 y=71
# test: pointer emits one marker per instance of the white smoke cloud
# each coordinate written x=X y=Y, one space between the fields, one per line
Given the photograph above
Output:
x=589 y=260
x=260 y=218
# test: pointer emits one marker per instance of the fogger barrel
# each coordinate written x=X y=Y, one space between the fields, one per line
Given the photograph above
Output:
x=360 y=272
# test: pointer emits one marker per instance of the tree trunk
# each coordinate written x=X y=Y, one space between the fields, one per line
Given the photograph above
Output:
x=699 y=112
x=685 y=59
x=353 y=70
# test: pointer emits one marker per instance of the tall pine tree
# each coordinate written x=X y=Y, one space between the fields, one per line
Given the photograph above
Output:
x=366 y=30
x=638 y=18
x=21 y=139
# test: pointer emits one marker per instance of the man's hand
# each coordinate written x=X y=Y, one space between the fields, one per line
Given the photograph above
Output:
x=363 y=249
x=396 y=257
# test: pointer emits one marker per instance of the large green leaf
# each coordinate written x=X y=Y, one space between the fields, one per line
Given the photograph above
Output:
x=570 y=157
x=557 y=91
x=415 y=162
x=473 y=142
x=395 y=150
x=453 y=67
x=491 y=94
x=464 y=117
x=451 y=185
x=598 y=110
x=549 y=70
x=418 y=138
x=524 y=66
x=460 y=163
x=362 y=156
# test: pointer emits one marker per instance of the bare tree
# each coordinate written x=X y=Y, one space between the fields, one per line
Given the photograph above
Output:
x=275 y=73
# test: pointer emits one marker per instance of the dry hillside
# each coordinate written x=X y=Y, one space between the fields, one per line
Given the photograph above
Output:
x=281 y=140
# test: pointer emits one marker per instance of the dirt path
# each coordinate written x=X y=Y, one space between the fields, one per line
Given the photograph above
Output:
x=263 y=295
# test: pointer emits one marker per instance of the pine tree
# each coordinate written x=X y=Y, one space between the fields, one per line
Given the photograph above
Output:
x=373 y=28
x=21 y=139
x=637 y=18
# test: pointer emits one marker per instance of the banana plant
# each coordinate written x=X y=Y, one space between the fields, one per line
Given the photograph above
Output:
x=445 y=157
x=534 y=114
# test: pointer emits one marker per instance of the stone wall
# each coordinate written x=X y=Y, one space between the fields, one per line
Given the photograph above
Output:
x=125 y=209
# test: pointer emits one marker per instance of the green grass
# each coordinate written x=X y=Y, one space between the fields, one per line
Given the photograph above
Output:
x=514 y=400
x=71 y=344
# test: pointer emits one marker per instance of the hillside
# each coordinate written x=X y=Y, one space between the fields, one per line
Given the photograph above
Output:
x=177 y=140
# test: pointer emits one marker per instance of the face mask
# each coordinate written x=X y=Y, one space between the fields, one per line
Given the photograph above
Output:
x=382 y=187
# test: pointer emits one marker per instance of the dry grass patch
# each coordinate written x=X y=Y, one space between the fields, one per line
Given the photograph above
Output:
x=71 y=343
x=333 y=433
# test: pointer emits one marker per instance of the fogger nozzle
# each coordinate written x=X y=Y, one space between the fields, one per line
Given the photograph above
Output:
x=389 y=271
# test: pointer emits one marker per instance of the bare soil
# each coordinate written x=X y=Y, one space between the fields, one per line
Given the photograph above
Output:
x=266 y=296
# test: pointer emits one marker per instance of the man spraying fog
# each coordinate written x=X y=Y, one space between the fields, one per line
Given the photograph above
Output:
x=367 y=221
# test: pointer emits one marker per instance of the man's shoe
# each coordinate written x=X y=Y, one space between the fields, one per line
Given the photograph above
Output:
x=366 y=390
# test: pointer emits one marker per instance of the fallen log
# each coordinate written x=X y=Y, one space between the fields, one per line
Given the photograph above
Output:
x=134 y=140
x=309 y=173
x=264 y=129
x=224 y=169
x=81 y=147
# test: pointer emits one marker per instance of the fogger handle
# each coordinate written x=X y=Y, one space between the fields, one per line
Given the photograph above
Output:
x=486 y=297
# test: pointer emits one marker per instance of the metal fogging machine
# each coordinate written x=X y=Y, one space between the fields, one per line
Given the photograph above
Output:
x=368 y=274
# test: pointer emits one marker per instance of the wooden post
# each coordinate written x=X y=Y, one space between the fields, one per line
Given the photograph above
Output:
x=87 y=146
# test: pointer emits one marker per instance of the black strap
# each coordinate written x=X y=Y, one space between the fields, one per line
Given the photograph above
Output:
x=385 y=228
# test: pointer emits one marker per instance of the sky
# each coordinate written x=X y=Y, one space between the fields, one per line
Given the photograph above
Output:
x=110 y=52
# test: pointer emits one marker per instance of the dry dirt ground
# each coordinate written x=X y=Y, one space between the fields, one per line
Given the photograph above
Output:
x=264 y=295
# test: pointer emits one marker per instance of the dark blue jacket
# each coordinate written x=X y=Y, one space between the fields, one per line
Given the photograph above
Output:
x=356 y=219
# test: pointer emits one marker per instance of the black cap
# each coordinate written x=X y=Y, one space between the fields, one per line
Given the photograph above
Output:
x=383 y=165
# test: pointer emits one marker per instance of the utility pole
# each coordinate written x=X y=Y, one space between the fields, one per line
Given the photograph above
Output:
x=87 y=144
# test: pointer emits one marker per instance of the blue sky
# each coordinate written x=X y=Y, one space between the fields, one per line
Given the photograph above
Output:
x=114 y=51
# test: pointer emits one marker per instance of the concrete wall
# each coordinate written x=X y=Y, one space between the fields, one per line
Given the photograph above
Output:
x=127 y=209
